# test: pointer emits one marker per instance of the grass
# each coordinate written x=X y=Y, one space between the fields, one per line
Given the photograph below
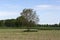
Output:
x=17 y=34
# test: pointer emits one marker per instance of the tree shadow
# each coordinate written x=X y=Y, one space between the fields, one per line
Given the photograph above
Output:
x=29 y=30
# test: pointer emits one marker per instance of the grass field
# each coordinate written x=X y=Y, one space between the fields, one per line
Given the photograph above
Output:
x=17 y=34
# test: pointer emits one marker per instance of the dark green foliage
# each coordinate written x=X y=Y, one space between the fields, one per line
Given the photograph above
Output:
x=13 y=23
x=1 y=22
x=21 y=21
x=10 y=22
x=48 y=27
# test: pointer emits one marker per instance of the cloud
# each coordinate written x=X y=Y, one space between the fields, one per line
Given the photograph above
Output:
x=8 y=15
x=49 y=14
x=8 y=11
x=49 y=18
x=45 y=7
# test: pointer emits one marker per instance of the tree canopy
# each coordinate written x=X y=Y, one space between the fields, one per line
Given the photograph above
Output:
x=30 y=15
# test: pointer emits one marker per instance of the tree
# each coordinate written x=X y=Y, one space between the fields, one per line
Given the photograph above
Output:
x=1 y=22
x=21 y=21
x=10 y=22
x=30 y=16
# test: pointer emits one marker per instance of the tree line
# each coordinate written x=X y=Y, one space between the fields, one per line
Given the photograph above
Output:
x=49 y=25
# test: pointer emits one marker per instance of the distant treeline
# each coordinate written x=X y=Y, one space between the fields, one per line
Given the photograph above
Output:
x=15 y=23
x=20 y=23
x=49 y=25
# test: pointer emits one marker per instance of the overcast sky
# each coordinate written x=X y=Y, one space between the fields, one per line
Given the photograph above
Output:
x=47 y=10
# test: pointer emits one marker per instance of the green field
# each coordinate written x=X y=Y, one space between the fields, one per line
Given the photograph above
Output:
x=17 y=34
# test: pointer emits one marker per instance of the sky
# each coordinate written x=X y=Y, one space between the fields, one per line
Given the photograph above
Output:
x=48 y=11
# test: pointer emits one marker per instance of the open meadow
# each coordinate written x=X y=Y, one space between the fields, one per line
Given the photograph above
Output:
x=17 y=34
